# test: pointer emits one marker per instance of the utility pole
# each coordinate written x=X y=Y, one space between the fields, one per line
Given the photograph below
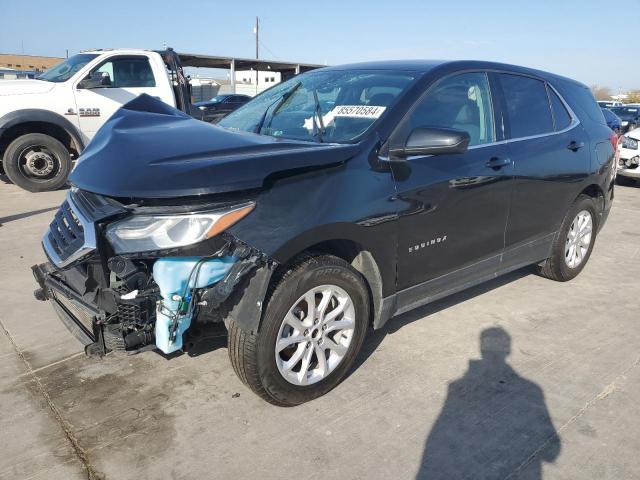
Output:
x=257 y=36
x=257 y=50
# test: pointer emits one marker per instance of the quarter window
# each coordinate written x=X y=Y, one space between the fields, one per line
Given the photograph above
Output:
x=560 y=115
x=462 y=102
x=128 y=72
x=527 y=105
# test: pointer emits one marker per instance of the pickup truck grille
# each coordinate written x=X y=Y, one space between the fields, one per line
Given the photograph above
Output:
x=71 y=235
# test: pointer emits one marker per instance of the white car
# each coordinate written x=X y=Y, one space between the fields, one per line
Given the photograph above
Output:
x=609 y=103
x=629 y=158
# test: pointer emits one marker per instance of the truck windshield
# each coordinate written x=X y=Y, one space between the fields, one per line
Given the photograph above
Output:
x=67 y=69
x=335 y=106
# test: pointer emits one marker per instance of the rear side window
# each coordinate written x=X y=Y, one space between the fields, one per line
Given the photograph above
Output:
x=527 y=105
x=560 y=114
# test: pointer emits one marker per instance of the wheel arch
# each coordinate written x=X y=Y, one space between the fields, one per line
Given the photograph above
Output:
x=22 y=122
x=594 y=191
x=354 y=253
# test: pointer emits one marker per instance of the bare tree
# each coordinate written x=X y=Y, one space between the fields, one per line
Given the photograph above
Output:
x=601 y=93
x=633 y=96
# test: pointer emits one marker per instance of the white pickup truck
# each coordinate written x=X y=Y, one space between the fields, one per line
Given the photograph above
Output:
x=45 y=123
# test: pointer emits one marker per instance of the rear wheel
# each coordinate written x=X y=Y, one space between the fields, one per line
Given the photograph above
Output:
x=37 y=162
x=313 y=328
x=573 y=245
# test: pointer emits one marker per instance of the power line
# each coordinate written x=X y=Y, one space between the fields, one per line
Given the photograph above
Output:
x=275 y=57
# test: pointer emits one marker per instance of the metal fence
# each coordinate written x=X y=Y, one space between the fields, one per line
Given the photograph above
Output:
x=201 y=93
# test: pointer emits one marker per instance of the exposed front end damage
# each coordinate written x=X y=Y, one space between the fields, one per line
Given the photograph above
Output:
x=143 y=301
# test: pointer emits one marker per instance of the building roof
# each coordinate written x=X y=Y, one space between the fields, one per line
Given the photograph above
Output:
x=213 y=61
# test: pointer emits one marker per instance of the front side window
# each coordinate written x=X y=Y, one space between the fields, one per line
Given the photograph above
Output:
x=67 y=69
x=328 y=106
x=527 y=105
x=127 y=72
x=461 y=102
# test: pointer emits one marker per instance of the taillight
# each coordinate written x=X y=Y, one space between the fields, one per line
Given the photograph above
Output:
x=614 y=141
x=616 y=153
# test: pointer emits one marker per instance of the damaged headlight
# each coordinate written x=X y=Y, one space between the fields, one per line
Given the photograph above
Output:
x=630 y=143
x=141 y=233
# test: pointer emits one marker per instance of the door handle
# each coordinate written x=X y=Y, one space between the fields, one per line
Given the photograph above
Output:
x=575 y=146
x=498 y=162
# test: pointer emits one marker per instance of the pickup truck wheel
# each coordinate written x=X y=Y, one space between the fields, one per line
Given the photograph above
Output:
x=312 y=330
x=37 y=162
x=573 y=245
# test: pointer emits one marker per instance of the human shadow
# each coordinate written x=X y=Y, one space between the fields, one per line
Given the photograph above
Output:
x=376 y=337
x=494 y=423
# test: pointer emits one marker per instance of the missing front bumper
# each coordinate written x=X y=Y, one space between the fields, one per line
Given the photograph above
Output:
x=239 y=295
x=75 y=313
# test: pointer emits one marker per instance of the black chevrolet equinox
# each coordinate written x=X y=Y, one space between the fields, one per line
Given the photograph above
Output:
x=327 y=204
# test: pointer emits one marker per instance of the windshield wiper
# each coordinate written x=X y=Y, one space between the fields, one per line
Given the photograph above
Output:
x=317 y=132
x=278 y=103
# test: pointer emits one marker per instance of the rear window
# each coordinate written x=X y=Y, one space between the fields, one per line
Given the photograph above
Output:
x=580 y=97
x=560 y=114
x=527 y=105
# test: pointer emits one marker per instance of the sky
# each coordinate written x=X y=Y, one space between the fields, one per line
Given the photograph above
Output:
x=579 y=39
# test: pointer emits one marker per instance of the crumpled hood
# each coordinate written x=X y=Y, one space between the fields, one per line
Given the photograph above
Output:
x=148 y=149
x=26 y=86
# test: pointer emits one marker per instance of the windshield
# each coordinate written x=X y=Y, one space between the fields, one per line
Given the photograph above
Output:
x=330 y=106
x=67 y=69
x=218 y=98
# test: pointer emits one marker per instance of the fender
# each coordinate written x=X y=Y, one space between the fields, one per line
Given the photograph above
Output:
x=38 y=115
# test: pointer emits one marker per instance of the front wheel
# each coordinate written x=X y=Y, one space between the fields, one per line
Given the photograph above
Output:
x=37 y=162
x=573 y=245
x=313 y=328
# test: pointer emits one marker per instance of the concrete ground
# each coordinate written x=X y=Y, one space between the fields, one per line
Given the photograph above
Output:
x=565 y=404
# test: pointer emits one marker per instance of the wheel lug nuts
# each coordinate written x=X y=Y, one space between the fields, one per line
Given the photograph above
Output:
x=315 y=322
x=306 y=332
x=324 y=327
x=308 y=344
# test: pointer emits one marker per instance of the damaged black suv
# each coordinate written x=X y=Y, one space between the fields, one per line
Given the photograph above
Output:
x=326 y=205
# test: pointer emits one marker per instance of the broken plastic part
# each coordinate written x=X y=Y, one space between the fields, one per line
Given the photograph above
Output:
x=179 y=276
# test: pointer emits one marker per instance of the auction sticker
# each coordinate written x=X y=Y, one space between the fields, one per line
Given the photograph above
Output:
x=361 y=111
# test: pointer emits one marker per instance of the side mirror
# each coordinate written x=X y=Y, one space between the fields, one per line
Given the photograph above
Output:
x=95 y=80
x=433 y=141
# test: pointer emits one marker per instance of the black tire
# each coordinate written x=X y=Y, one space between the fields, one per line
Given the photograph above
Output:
x=556 y=267
x=14 y=162
x=253 y=356
x=625 y=181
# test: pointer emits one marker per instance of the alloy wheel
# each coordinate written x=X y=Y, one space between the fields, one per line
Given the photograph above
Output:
x=578 y=239
x=315 y=335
